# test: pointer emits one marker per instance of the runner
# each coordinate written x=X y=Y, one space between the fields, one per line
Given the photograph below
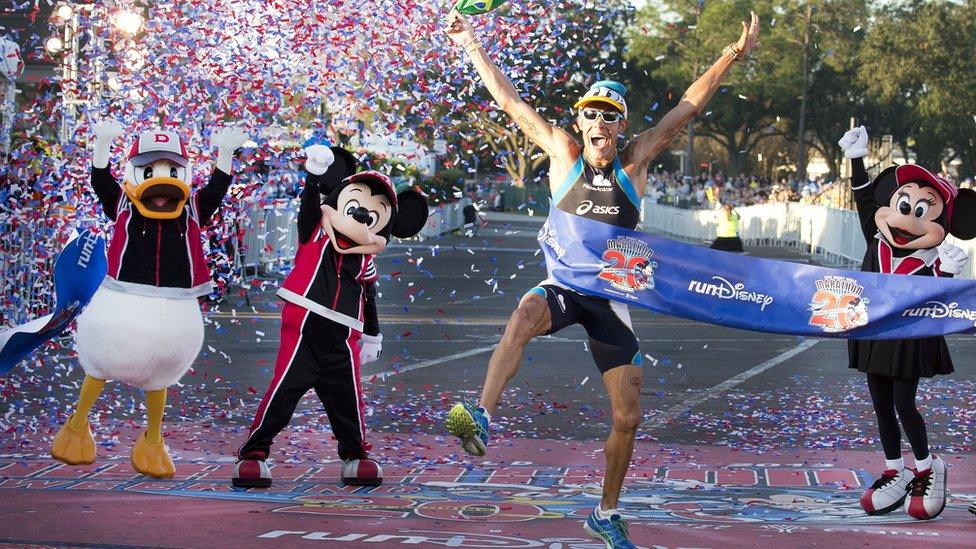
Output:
x=601 y=182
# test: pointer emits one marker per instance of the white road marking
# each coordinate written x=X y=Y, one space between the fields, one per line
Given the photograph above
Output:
x=472 y=352
x=708 y=394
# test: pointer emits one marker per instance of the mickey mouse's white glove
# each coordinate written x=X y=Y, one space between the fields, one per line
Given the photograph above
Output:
x=954 y=259
x=370 y=348
x=105 y=132
x=228 y=139
x=318 y=158
x=855 y=143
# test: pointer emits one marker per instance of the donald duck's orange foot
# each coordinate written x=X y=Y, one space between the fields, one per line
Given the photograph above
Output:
x=74 y=446
x=152 y=459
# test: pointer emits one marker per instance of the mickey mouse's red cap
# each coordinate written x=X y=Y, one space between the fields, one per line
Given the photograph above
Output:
x=372 y=176
x=153 y=145
x=913 y=173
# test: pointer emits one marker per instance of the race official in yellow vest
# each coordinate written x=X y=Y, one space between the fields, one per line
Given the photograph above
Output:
x=727 y=236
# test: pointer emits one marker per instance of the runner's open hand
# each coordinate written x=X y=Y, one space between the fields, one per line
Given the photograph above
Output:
x=750 y=35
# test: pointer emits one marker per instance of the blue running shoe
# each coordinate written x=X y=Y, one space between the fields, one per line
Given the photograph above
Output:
x=470 y=424
x=613 y=532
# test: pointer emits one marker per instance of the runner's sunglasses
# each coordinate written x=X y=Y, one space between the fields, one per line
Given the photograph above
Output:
x=609 y=117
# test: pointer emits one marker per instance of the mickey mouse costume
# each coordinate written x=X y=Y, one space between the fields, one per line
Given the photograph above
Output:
x=906 y=213
x=329 y=325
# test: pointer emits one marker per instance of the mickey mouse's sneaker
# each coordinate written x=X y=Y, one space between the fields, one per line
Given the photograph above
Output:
x=929 y=490
x=362 y=472
x=251 y=471
x=888 y=492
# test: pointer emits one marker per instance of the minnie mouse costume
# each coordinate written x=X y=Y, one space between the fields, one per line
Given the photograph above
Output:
x=906 y=213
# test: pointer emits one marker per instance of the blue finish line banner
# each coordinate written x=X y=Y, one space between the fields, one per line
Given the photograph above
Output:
x=744 y=292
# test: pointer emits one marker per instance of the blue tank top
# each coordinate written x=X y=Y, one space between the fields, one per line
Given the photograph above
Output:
x=604 y=195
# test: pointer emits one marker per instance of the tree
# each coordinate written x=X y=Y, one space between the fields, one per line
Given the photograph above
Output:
x=680 y=39
x=918 y=58
x=828 y=34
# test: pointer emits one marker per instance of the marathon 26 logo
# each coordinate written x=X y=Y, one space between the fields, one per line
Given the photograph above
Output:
x=837 y=305
x=627 y=265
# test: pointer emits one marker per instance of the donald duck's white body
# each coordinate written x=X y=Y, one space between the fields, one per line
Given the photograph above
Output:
x=147 y=342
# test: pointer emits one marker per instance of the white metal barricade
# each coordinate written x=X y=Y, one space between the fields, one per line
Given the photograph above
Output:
x=832 y=235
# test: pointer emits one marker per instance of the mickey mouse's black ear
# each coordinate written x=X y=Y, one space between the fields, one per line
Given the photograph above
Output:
x=884 y=186
x=345 y=165
x=411 y=214
x=963 y=222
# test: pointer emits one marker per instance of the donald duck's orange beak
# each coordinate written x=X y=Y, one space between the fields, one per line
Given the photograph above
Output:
x=159 y=197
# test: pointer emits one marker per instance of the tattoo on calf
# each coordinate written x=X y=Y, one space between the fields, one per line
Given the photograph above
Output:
x=635 y=381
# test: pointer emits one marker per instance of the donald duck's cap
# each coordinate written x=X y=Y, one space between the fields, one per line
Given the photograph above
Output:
x=153 y=145
x=605 y=91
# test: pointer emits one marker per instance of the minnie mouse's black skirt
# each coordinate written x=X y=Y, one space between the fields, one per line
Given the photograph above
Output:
x=902 y=358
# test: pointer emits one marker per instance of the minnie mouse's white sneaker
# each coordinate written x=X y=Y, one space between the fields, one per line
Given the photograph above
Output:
x=929 y=490
x=888 y=492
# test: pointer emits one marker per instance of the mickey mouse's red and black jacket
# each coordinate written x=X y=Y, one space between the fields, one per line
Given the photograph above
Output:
x=336 y=286
x=158 y=257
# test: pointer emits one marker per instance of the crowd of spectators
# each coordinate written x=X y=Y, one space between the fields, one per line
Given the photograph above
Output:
x=711 y=190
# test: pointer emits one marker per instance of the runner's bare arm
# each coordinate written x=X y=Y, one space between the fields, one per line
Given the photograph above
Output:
x=646 y=146
x=550 y=138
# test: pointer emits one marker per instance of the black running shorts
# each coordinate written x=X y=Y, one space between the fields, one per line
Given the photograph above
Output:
x=607 y=323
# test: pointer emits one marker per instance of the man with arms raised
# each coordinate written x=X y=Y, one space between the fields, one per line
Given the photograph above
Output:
x=601 y=182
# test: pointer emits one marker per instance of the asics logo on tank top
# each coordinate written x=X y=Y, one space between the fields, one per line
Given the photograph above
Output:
x=602 y=194
x=587 y=206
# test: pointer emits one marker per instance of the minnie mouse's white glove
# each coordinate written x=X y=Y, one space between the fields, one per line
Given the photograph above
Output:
x=954 y=259
x=318 y=158
x=370 y=348
x=855 y=143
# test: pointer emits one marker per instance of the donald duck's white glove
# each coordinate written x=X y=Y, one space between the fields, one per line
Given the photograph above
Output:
x=318 y=158
x=228 y=140
x=854 y=143
x=370 y=348
x=105 y=132
x=954 y=259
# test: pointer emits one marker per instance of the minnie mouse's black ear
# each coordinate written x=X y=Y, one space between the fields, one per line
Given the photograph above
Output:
x=344 y=165
x=411 y=214
x=963 y=222
x=884 y=186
